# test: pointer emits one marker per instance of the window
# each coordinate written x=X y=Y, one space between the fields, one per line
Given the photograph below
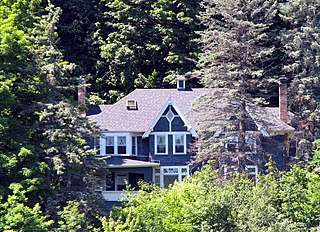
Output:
x=179 y=144
x=250 y=170
x=164 y=176
x=115 y=144
x=251 y=144
x=122 y=147
x=121 y=181
x=232 y=143
x=133 y=147
x=109 y=145
x=161 y=144
x=96 y=145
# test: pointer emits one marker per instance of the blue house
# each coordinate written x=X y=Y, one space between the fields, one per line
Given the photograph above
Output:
x=147 y=136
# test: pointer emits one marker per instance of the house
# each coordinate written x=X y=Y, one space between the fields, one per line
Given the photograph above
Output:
x=147 y=134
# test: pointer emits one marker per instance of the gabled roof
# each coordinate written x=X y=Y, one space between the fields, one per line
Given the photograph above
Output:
x=172 y=103
x=150 y=103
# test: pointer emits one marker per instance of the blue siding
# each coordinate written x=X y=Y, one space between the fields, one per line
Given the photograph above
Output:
x=162 y=125
x=143 y=149
x=170 y=159
x=178 y=125
x=274 y=146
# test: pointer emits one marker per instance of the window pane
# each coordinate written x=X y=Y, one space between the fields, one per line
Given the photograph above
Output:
x=161 y=139
x=133 y=148
x=110 y=141
x=121 y=141
x=179 y=143
x=169 y=180
x=122 y=150
x=121 y=179
x=161 y=144
x=109 y=150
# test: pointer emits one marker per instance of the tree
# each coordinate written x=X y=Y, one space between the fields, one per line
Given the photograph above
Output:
x=16 y=215
x=204 y=202
x=239 y=53
x=20 y=160
x=150 y=43
x=300 y=41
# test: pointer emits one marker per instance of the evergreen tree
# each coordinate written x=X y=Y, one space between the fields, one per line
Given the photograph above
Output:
x=240 y=54
x=301 y=44
x=150 y=43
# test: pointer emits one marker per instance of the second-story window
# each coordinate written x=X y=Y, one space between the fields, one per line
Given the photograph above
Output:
x=122 y=147
x=116 y=145
x=161 y=144
x=179 y=144
x=109 y=145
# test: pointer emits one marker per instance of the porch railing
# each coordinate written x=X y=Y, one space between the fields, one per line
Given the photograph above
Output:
x=115 y=195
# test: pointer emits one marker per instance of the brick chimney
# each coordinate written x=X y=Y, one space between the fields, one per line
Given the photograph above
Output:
x=283 y=105
x=82 y=96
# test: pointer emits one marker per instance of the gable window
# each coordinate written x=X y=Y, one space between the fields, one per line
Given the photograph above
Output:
x=109 y=145
x=161 y=144
x=179 y=144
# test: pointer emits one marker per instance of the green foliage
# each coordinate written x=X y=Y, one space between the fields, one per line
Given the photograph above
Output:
x=70 y=217
x=15 y=215
x=203 y=202
x=239 y=46
x=301 y=44
x=148 y=42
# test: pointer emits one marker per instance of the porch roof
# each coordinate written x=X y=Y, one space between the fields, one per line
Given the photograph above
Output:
x=115 y=162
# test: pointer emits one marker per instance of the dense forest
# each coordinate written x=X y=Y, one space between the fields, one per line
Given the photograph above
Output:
x=49 y=48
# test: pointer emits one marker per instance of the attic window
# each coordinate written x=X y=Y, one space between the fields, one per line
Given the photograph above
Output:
x=131 y=104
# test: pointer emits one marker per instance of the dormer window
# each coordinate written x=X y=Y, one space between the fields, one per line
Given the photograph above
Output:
x=181 y=83
x=131 y=104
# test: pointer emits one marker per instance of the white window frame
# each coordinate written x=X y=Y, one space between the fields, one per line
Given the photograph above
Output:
x=252 y=145
x=184 y=145
x=96 y=144
x=162 y=173
x=115 y=142
x=246 y=168
x=116 y=180
x=156 y=143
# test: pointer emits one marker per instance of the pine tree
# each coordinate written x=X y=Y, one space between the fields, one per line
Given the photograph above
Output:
x=302 y=46
x=240 y=54
x=150 y=43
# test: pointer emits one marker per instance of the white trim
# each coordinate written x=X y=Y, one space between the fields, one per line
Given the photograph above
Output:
x=170 y=133
x=171 y=102
x=115 y=143
x=155 y=144
x=179 y=173
x=116 y=182
x=184 y=145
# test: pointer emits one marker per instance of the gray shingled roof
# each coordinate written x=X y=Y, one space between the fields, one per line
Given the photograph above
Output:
x=118 y=118
x=149 y=101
